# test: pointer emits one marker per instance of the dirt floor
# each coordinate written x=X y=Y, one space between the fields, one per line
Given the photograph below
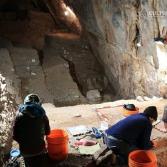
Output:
x=86 y=115
x=64 y=117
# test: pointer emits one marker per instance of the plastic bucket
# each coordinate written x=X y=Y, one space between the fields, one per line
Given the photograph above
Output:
x=130 y=112
x=57 y=142
x=142 y=158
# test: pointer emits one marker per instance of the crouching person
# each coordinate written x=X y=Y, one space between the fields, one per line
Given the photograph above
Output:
x=30 y=127
x=131 y=133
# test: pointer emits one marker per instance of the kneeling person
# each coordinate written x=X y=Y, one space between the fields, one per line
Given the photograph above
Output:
x=131 y=133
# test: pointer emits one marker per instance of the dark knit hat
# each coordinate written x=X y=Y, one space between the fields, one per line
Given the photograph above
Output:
x=151 y=111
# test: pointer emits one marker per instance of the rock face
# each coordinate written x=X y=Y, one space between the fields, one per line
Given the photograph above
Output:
x=84 y=68
x=34 y=59
x=62 y=73
x=7 y=115
x=29 y=31
x=8 y=71
x=59 y=81
x=93 y=96
x=123 y=34
x=29 y=71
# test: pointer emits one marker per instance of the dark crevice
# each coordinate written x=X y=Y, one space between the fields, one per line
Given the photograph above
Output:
x=41 y=56
x=137 y=39
x=73 y=74
x=138 y=36
x=154 y=3
x=110 y=88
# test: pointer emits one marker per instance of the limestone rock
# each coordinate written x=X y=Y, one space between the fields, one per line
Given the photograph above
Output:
x=85 y=68
x=24 y=56
x=146 y=98
x=140 y=98
x=7 y=115
x=163 y=90
x=28 y=69
x=114 y=28
x=59 y=81
x=93 y=96
x=8 y=71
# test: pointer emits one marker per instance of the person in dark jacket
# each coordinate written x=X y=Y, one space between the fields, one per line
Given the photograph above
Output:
x=30 y=127
x=130 y=133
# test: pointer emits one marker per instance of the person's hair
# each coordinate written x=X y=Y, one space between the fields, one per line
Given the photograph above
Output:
x=151 y=111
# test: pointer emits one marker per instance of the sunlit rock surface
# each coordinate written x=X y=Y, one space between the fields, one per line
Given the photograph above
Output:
x=123 y=34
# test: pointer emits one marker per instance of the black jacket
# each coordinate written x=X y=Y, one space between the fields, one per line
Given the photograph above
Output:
x=29 y=129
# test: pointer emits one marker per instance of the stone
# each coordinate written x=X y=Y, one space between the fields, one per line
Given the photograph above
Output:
x=88 y=73
x=59 y=80
x=146 y=98
x=8 y=71
x=93 y=96
x=24 y=56
x=36 y=83
x=140 y=98
x=163 y=90
x=7 y=115
x=28 y=69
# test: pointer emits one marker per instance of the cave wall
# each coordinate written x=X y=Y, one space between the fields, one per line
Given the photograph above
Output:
x=114 y=27
x=7 y=116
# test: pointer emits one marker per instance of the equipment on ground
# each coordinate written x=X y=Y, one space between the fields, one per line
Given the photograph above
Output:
x=15 y=159
x=96 y=133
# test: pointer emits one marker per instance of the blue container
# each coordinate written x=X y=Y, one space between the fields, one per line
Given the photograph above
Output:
x=14 y=152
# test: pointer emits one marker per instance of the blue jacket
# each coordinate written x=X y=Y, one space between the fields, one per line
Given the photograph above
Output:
x=33 y=109
x=135 y=130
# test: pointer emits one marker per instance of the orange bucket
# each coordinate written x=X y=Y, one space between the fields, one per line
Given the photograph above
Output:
x=57 y=144
x=142 y=158
x=130 y=112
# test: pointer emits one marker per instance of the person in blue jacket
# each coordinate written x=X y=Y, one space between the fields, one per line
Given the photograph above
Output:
x=131 y=133
x=30 y=127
